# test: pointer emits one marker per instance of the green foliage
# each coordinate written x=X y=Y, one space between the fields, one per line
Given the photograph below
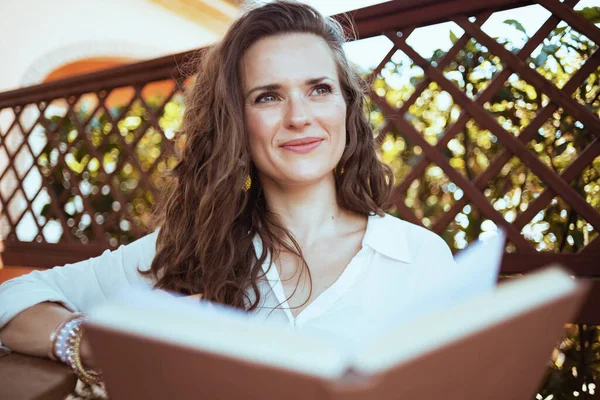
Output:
x=112 y=166
x=575 y=365
x=592 y=14
x=557 y=143
x=516 y=24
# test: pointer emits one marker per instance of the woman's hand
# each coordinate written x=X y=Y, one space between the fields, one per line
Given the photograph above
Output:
x=85 y=352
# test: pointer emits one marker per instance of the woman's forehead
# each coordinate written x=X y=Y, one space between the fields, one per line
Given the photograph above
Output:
x=290 y=57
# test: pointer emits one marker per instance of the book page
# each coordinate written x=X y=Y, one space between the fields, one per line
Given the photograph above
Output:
x=217 y=329
x=433 y=331
x=476 y=274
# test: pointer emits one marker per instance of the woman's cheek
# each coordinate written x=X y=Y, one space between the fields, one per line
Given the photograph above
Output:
x=257 y=127
x=262 y=128
x=335 y=117
x=338 y=108
x=264 y=123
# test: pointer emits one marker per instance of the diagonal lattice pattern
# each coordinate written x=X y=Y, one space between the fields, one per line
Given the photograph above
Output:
x=481 y=135
x=94 y=173
x=555 y=173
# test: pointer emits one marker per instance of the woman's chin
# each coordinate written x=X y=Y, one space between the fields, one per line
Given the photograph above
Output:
x=305 y=179
x=293 y=174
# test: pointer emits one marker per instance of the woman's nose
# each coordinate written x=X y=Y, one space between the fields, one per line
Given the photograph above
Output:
x=298 y=113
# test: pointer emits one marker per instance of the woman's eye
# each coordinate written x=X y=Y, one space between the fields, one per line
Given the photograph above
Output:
x=322 y=89
x=266 y=98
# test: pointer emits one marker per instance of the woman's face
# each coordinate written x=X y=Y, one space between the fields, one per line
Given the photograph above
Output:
x=295 y=113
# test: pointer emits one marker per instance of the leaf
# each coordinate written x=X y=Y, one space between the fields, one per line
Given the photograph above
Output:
x=438 y=55
x=539 y=138
x=561 y=148
x=592 y=14
x=453 y=37
x=47 y=211
x=503 y=94
x=558 y=31
x=540 y=59
x=550 y=48
x=516 y=24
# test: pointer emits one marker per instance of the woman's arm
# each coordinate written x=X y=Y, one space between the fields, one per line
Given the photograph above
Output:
x=33 y=305
x=29 y=332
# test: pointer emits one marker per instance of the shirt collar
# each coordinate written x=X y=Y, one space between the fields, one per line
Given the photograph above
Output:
x=258 y=248
x=387 y=235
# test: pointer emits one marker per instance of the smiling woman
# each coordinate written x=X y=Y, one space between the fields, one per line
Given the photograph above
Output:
x=295 y=112
x=276 y=206
x=277 y=101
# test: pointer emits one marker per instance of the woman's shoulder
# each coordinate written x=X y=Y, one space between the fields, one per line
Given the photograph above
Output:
x=134 y=256
x=418 y=241
x=401 y=226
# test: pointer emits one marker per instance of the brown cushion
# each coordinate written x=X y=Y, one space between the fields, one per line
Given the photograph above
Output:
x=24 y=377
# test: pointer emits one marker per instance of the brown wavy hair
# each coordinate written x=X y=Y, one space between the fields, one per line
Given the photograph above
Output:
x=207 y=221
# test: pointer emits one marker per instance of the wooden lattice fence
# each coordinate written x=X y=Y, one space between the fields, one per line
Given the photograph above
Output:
x=81 y=159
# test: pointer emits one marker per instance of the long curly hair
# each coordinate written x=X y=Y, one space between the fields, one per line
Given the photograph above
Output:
x=207 y=221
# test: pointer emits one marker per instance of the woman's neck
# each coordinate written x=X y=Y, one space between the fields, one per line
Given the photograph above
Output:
x=309 y=212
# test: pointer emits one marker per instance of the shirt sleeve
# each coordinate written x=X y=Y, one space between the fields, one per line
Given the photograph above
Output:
x=80 y=286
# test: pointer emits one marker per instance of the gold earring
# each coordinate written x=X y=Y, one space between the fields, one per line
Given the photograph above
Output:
x=341 y=172
x=247 y=184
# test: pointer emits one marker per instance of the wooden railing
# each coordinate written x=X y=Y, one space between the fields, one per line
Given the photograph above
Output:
x=81 y=159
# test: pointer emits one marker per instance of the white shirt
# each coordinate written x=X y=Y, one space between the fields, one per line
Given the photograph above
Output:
x=397 y=258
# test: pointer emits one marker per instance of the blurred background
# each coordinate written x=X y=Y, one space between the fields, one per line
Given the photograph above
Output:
x=488 y=114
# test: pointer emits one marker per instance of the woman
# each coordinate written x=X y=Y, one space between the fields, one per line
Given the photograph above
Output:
x=276 y=207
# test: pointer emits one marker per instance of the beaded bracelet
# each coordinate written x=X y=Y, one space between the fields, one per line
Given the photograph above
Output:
x=75 y=361
x=66 y=347
x=60 y=348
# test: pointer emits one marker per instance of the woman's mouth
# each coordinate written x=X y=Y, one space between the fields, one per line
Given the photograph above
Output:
x=302 y=146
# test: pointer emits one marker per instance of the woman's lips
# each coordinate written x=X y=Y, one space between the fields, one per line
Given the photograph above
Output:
x=302 y=146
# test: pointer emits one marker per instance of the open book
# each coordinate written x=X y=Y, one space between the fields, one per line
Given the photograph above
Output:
x=462 y=338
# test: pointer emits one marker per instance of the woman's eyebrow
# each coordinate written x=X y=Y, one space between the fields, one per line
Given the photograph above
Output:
x=276 y=86
x=314 y=81
x=273 y=86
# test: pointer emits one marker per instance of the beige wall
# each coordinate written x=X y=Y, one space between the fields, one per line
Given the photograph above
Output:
x=37 y=36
